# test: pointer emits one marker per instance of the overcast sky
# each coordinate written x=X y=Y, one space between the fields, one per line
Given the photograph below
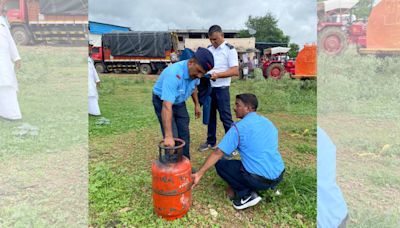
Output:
x=297 y=18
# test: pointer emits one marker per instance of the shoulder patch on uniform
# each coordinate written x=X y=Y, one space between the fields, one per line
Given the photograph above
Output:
x=209 y=46
x=230 y=46
x=178 y=77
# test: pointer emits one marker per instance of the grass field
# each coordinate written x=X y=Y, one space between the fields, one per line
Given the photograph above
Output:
x=43 y=162
x=358 y=105
x=121 y=153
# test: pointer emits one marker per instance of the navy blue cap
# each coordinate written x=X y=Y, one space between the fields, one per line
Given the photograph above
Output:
x=205 y=58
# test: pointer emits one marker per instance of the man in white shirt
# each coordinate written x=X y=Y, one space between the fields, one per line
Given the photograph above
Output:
x=9 y=59
x=226 y=65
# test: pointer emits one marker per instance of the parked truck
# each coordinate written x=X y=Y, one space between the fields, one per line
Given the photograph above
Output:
x=44 y=20
x=135 y=52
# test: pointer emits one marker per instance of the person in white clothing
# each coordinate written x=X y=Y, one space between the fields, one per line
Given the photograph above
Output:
x=9 y=60
x=226 y=65
x=93 y=82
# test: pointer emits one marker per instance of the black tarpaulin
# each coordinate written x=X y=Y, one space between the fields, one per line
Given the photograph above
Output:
x=64 y=7
x=144 y=44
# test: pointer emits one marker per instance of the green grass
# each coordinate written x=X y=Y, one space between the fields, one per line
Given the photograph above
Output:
x=52 y=97
x=42 y=176
x=358 y=107
x=121 y=154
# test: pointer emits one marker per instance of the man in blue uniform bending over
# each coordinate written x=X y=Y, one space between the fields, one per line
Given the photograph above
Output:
x=174 y=86
x=261 y=166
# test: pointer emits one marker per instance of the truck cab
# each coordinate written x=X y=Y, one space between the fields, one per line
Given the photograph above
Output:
x=17 y=16
x=44 y=20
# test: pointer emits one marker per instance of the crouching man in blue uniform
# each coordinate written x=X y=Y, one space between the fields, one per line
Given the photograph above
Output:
x=261 y=166
x=175 y=85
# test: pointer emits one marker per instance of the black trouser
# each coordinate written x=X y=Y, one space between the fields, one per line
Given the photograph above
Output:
x=220 y=100
x=241 y=181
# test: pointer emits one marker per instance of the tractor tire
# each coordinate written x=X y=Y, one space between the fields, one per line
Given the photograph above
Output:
x=145 y=69
x=100 y=68
x=20 y=35
x=275 y=71
x=332 y=41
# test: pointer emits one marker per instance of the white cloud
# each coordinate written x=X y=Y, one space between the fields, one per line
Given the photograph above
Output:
x=296 y=18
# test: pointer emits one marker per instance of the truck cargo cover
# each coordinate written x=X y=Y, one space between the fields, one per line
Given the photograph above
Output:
x=143 y=44
x=64 y=7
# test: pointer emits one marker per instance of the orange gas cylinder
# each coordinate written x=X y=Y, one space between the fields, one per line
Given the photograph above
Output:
x=172 y=195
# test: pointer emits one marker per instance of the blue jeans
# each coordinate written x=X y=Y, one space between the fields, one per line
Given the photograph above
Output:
x=241 y=181
x=180 y=122
x=220 y=100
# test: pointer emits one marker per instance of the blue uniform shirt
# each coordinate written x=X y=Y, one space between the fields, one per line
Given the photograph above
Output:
x=331 y=207
x=174 y=84
x=258 y=146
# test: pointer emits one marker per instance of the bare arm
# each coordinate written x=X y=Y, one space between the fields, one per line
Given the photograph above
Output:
x=195 y=99
x=166 y=116
x=233 y=71
x=211 y=160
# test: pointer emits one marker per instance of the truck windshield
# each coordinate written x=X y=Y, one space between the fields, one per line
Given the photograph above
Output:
x=12 y=5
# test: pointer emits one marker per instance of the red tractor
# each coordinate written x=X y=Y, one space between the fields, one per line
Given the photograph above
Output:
x=277 y=63
x=338 y=26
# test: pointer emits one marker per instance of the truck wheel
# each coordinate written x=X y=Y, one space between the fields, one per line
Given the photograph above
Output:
x=332 y=41
x=100 y=68
x=20 y=35
x=275 y=71
x=145 y=69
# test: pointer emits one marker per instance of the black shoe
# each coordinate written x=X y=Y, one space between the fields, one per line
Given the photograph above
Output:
x=205 y=146
x=246 y=201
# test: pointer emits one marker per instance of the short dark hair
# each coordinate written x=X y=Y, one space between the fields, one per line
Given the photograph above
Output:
x=248 y=99
x=214 y=28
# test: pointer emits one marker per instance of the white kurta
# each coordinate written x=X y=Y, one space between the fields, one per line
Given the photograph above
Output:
x=93 y=78
x=9 y=107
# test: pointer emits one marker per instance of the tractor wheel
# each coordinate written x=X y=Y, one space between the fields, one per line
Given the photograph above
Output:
x=20 y=35
x=275 y=71
x=332 y=41
x=145 y=69
x=100 y=68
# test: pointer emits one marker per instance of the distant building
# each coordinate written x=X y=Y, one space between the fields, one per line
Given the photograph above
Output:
x=198 y=33
x=96 y=29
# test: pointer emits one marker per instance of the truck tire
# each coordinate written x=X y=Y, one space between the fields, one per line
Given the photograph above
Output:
x=20 y=35
x=275 y=71
x=145 y=68
x=100 y=68
x=332 y=41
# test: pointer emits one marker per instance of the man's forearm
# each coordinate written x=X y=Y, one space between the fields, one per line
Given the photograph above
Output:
x=233 y=71
x=195 y=97
x=166 y=116
x=211 y=160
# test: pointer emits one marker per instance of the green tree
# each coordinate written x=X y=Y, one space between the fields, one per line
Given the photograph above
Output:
x=363 y=9
x=294 y=50
x=266 y=29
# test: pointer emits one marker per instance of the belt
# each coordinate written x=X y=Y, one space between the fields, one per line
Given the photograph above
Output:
x=221 y=87
x=267 y=181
